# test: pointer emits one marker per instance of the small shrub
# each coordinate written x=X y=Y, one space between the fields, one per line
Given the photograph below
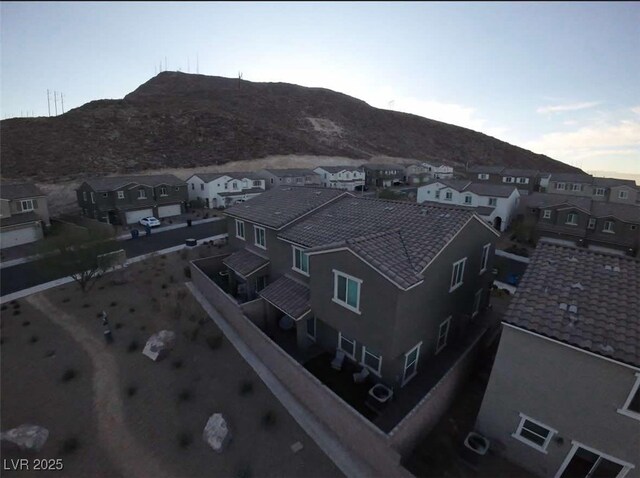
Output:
x=33 y=339
x=86 y=306
x=113 y=304
x=118 y=325
x=246 y=387
x=214 y=341
x=269 y=419
x=26 y=323
x=132 y=390
x=184 y=439
x=69 y=374
x=16 y=312
x=187 y=272
x=177 y=363
x=69 y=446
x=185 y=396
x=65 y=300
x=132 y=309
x=133 y=346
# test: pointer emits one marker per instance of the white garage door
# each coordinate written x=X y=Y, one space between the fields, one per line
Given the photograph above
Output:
x=16 y=237
x=135 y=216
x=167 y=211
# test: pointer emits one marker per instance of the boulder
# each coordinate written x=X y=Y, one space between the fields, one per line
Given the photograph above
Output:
x=159 y=345
x=26 y=437
x=216 y=432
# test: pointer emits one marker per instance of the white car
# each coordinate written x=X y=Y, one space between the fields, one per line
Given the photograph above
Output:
x=149 y=221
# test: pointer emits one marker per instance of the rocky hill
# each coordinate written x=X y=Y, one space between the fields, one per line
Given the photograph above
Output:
x=178 y=120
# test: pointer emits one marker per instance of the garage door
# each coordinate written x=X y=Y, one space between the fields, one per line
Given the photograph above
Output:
x=16 y=237
x=167 y=211
x=135 y=216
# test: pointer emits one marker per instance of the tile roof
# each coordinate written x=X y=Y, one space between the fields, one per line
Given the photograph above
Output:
x=289 y=296
x=481 y=189
x=279 y=206
x=485 y=210
x=242 y=191
x=542 y=200
x=604 y=288
x=291 y=172
x=208 y=177
x=245 y=262
x=21 y=218
x=378 y=167
x=116 y=182
x=624 y=212
x=19 y=191
x=337 y=169
x=398 y=238
x=613 y=182
x=571 y=177
x=520 y=172
x=485 y=169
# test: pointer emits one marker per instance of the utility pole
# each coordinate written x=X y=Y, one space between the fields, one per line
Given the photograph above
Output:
x=55 y=102
x=48 y=103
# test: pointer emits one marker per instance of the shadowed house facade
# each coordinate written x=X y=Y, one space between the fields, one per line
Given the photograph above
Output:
x=563 y=399
x=23 y=214
x=620 y=191
x=526 y=180
x=289 y=177
x=390 y=284
x=127 y=199
x=224 y=189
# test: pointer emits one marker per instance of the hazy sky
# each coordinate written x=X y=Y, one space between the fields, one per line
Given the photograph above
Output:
x=561 y=79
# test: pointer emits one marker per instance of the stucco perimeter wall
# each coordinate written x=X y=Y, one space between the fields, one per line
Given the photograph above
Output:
x=357 y=434
x=425 y=415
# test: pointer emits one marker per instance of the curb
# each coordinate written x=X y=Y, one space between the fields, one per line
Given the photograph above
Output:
x=123 y=237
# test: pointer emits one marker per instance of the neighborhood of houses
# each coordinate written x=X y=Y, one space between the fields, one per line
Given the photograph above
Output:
x=325 y=275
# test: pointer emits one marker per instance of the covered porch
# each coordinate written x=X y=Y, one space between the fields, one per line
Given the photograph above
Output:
x=247 y=274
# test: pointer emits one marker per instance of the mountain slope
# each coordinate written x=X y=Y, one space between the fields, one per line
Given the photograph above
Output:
x=185 y=120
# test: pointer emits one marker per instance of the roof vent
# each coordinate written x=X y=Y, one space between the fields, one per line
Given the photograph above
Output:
x=318 y=193
x=573 y=259
x=277 y=213
x=573 y=309
x=388 y=208
x=616 y=269
x=577 y=285
x=563 y=306
x=607 y=267
x=606 y=348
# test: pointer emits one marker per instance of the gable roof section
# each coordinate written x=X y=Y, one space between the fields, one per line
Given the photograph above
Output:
x=19 y=191
x=245 y=262
x=337 y=169
x=571 y=177
x=544 y=200
x=485 y=169
x=289 y=296
x=117 y=182
x=613 y=182
x=623 y=212
x=493 y=190
x=291 y=172
x=396 y=238
x=605 y=288
x=282 y=205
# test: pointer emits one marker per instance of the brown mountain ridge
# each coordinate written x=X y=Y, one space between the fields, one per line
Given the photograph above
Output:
x=179 y=120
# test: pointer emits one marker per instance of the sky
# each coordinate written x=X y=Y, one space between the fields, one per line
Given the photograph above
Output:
x=561 y=79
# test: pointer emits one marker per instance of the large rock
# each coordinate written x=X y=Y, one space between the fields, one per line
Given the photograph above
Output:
x=26 y=437
x=159 y=345
x=216 y=432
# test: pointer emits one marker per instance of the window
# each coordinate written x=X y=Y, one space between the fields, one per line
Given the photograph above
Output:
x=633 y=227
x=311 y=328
x=485 y=257
x=483 y=176
x=261 y=283
x=456 y=274
x=443 y=332
x=448 y=195
x=142 y=194
x=193 y=186
x=234 y=185
x=599 y=192
x=27 y=205
x=493 y=201
x=589 y=462
x=438 y=194
x=572 y=219
x=271 y=180
x=202 y=186
x=477 y=299
x=592 y=223
x=298 y=180
x=411 y=363
x=256 y=184
x=347 y=345
x=533 y=433
x=84 y=195
x=300 y=261
x=163 y=191
x=467 y=199
x=576 y=187
x=546 y=214
x=561 y=186
x=120 y=194
x=261 y=240
x=240 y=229
x=93 y=199
x=105 y=195
x=632 y=406
x=507 y=179
x=346 y=290
x=608 y=226
x=623 y=194
x=371 y=360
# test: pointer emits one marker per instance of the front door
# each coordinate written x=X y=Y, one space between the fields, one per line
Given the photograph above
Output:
x=584 y=462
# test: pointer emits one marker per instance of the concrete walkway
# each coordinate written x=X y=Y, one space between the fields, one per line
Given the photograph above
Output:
x=127 y=455
x=328 y=443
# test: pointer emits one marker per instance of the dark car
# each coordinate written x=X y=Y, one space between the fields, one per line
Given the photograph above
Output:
x=361 y=188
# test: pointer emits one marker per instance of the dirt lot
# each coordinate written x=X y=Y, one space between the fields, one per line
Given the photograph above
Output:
x=120 y=400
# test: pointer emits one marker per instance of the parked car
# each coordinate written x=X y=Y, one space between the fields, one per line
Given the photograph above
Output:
x=360 y=188
x=149 y=221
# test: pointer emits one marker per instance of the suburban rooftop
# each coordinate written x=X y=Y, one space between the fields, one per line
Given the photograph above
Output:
x=208 y=177
x=290 y=172
x=337 y=169
x=481 y=189
x=117 y=182
x=623 y=212
x=19 y=191
x=581 y=297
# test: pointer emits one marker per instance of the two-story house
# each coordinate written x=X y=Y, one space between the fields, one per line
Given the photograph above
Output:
x=495 y=203
x=383 y=175
x=289 y=177
x=348 y=178
x=576 y=220
x=563 y=398
x=23 y=214
x=224 y=189
x=127 y=199
x=421 y=173
x=390 y=284
x=526 y=180
x=622 y=191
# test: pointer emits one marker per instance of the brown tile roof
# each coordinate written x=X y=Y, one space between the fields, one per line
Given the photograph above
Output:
x=291 y=172
x=542 y=200
x=19 y=191
x=282 y=205
x=289 y=296
x=116 y=182
x=245 y=262
x=337 y=169
x=605 y=289
x=481 y=189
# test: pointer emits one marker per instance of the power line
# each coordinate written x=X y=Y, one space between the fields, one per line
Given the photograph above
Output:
x=48 y=104
x=55 y=102
x=62 y=102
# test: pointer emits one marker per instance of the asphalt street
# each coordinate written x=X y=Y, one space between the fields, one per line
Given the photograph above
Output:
x=29 y=274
